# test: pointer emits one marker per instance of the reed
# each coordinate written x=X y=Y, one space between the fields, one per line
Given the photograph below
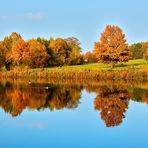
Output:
x=133 y=70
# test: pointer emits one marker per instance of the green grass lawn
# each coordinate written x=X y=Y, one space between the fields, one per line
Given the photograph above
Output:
x=140 y=63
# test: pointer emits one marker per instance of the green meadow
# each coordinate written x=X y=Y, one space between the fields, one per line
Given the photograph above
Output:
x=137 y=64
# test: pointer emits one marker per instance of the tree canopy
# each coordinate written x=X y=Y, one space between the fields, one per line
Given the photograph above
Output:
x=112 y=47
x=40 y=52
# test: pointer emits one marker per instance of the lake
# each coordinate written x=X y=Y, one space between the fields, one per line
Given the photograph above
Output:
x=73 y=113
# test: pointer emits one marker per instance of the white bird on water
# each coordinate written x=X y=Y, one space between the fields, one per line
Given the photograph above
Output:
x=46 y=87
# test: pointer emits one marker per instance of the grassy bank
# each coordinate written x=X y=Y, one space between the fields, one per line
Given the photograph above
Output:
x=133 y=70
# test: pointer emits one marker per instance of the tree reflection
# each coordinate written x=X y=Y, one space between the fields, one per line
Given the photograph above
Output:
x=112 y=103
x=112 y=98
x=140 y=95
x=14 y=99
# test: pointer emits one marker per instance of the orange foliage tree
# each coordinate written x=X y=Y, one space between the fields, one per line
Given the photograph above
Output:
x=37 y=54
x=89 y=57
x=6 y=46
x=61 y=51
x=20 y=52
x=112 y=47
x=2 y=56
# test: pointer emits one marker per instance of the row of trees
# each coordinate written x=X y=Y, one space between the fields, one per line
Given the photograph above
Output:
x=40 y=52
x=139 y=50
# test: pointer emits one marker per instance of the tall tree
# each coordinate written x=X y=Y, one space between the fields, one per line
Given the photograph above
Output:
x=112 y=47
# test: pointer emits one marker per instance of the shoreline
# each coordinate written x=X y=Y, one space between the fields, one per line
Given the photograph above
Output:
x=123 y=74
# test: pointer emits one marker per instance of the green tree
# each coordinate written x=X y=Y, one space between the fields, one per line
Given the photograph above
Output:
x=51 y=56
x=43 y=41
x=75 y=54
x=137 y=51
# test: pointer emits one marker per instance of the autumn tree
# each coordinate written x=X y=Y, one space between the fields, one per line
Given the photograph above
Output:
x=43 y=41
x=2 y=56
x=75 y=55
x=6 y=46
x=112 y=47
x=61 y=51
x=20 y=52
x=51 y=54
x=37 y=54
x=89 y=57
x=9 y=41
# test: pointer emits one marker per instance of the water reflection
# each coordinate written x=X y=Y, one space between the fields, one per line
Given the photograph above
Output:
x=112 y=98
x=14 y=99
x=112 y=104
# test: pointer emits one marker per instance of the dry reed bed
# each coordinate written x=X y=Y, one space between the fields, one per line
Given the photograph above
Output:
x=124 y=74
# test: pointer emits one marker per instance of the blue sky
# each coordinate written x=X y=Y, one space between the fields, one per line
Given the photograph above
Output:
x=84 y=19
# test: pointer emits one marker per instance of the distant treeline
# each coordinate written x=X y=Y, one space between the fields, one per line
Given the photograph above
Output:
x=139 y=50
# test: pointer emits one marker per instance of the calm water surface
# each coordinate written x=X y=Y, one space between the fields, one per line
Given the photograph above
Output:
x=70 y=114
